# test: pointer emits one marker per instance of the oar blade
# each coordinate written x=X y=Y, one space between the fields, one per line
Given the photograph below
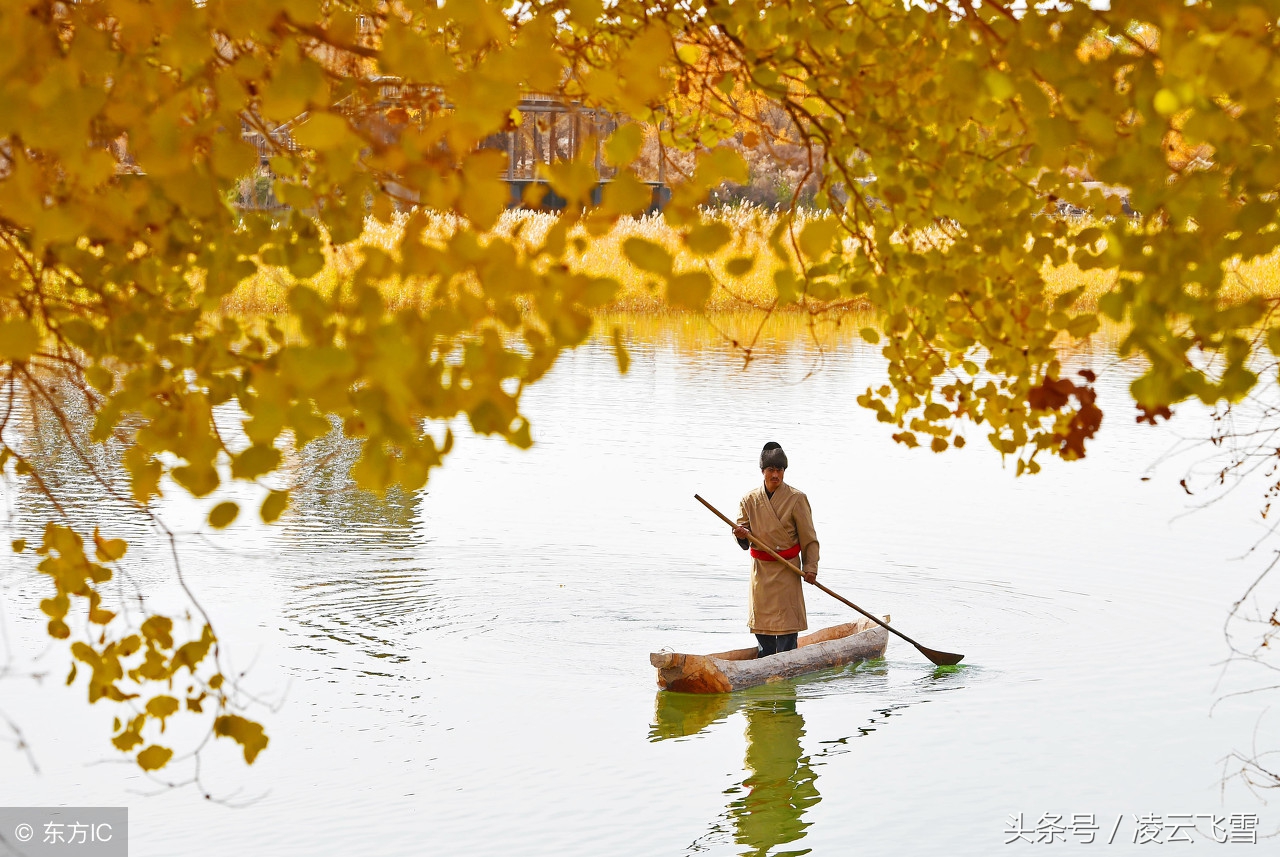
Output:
x=942 y=659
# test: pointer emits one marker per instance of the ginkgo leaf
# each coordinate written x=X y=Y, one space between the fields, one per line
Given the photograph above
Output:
x=623 y=145
x=689 y=290
x=273 y=221
x=706 y=238
x=273 y=507
x=154 y=757
x=647 y=256
x=248 y=734
x=223 y=515
x=18 y=339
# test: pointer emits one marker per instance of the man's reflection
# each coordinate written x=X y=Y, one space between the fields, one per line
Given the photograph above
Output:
x=780 y=785
x=770 y=804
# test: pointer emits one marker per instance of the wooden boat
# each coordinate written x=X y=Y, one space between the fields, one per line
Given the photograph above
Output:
x=728 y=671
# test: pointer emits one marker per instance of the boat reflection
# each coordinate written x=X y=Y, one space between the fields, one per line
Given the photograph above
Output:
x=769 y=804
x=682 y=715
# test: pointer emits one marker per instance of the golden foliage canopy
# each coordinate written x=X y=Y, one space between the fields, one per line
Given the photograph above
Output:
x=941 y=137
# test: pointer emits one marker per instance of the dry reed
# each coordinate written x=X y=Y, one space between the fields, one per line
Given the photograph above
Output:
x=266 y=294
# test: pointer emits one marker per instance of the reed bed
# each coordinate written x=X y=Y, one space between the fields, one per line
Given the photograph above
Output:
x=266 y=294
x=600 y=255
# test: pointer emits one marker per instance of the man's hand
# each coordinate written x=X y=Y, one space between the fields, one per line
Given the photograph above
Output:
x=740 y=532
x=810 y=576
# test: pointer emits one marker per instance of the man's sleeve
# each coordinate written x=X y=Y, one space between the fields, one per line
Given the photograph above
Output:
x=807 y=535
x=743 y=520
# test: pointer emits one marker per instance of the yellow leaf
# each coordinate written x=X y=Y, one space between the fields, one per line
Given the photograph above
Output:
x=154 y=757
x=56 y=608
x=1166 y=102
x=626 y=194
x=223 y=515
x=706 y=238
x=641 y=66
x=100 y=378
x=1273 y=340
x=786 y=284
x=199 y=479
x=261 y=458
x=647 y=256
x=574 y=180
x=247 y=733
x=321 y=131
x=108 y=550
x=721 y=164
x=484 y=193
x=231 y=157
x=296 y=83
x=999 y=85
x=816 y=236
x=159 y=630
x=18 y=339
x=144 y=471
x=620 y=351
x=688 y=54
x=273 y=507
x=408 y=54
x=689 y=290
x=161 y=707
x=623 y=145
x=127 y=740
x=191 y=653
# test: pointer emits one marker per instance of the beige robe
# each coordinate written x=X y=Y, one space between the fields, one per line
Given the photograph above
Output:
x=777 y=599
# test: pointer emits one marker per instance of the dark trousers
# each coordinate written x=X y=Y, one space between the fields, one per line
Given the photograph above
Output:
x=772 y=644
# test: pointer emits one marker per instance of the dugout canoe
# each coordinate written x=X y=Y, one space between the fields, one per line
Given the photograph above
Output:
x=724 y=672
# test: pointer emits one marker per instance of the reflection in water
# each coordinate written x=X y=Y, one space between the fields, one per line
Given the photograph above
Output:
x=780 y=784
x=681 y=715
x=484 y=594
x=326 y=507
x=369 y=603
x=86 y=477
x=780 y=787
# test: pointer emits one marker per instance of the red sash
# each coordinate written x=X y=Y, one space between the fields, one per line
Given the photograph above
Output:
x=790 y=553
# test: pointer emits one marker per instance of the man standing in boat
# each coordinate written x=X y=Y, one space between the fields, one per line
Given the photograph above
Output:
x=778 y=515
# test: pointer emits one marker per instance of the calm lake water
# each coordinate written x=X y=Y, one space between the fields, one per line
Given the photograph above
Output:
x=465 y=670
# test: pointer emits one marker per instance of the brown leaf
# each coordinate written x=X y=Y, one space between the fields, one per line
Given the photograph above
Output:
x=1150 y=415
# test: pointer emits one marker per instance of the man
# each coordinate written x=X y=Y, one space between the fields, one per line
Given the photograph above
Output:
x=779 y=516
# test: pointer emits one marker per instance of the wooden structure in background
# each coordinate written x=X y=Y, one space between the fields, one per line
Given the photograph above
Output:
x=550 y=130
